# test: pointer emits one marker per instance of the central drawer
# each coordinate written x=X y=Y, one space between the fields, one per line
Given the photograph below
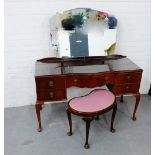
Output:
x=89 y=81
x=81 y=81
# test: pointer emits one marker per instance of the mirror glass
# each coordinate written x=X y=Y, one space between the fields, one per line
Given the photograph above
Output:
x=83 y=32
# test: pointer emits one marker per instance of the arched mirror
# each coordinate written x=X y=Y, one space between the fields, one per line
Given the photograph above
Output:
x=83 y=32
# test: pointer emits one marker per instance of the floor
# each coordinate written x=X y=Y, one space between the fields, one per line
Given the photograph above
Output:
x=130 y=138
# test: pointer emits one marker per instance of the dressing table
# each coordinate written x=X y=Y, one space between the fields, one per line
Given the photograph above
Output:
x=53 y=75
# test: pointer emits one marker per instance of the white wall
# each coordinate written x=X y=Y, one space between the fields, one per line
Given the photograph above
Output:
x=27 y=39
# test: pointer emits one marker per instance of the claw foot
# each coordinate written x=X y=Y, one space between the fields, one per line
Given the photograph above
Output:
x=113 y=130
x=86 y=146
x=39 y=129
x=134 y=118
x=69 y=133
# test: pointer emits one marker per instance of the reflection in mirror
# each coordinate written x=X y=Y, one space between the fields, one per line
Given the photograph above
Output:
x=83 y=32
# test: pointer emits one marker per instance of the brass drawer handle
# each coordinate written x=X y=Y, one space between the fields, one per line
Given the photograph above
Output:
x=75 y=80
x=106 y=78
x=129 y=78
x=51 y=83
x=51 y=94
x=127 y=88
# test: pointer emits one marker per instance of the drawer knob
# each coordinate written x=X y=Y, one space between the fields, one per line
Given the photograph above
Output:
x=51 y=83
x=51 y=94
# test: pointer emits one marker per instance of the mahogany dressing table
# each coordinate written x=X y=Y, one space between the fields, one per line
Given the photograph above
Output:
x=54 y=75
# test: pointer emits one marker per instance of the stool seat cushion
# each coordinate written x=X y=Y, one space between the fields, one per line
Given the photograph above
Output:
x=95 y=101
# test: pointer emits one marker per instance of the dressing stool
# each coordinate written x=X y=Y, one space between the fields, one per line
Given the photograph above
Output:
x=88 y=107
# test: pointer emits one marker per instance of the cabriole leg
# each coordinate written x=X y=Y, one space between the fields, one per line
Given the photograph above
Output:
x=113 y=117
x=38 y=107
x=97 y=117
x=70 y=122
x=137 y=96
x=87 y=120
x=121 y=100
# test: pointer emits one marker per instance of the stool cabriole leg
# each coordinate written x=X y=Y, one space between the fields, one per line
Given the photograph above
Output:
x=70 y=122
x=112 y=118
x=97 y=117
x=87 y=120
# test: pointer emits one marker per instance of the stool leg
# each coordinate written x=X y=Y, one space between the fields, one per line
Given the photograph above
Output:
x=87 y=120
x=70 y=122
x=97 y=117
x=113 y=117
x=121 y=100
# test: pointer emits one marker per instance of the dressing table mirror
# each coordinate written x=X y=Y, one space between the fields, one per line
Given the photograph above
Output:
x=83 y=42
x=83 y=32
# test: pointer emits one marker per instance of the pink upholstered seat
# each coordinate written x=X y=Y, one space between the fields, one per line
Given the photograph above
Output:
x=95 y=101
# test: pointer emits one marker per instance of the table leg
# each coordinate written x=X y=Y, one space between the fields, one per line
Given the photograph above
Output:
x=121 y=100
x=87 y=120
x=38 y=107
x=137 y=96
x=70 y=122
x=112 y=118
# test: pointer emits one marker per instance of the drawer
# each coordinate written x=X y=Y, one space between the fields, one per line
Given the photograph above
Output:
x=45 y=83
x=133 y=77
x=72 y=81
x=126 y=88
x=107 y=78
x=81 y=81
x=89 y=81
x=51 y=95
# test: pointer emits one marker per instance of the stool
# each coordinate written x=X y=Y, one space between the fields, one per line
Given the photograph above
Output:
x=90 y=106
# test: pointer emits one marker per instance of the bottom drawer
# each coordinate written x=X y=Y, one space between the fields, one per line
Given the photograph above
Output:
x=51 y=95
x=126 y=89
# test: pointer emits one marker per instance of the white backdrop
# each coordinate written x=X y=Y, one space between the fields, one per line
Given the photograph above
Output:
x=27 y=39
